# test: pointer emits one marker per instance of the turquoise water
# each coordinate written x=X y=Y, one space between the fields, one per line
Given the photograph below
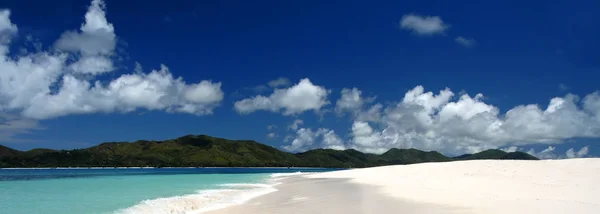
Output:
x=129 y=191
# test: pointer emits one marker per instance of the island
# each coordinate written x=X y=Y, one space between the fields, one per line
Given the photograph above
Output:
x=207 y=151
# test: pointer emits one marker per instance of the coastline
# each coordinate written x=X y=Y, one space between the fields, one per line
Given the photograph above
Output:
x=222 y=196
x=300 y=195
x=116 y=191
x=137 y=167
x=473 y=187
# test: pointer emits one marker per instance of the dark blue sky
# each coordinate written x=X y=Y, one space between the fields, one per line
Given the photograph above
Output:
x=523 y=52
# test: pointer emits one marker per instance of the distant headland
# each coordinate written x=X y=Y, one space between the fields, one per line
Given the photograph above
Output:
x=207 y=151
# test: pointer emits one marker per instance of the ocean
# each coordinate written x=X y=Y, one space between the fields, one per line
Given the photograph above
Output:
x=134 y=190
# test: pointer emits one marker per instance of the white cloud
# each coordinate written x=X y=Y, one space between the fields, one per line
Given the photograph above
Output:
x=279 y=82
x=41 y=85
x=429 y=121
x=550 y=153
x=92 y=65
x=579 y=154
x=511 y=149
x=157 y=90
x=307 y=139
x=298 y=98
x=467 y=42
x=591 y=104
x=95 y=43
x=547 y=153
x=271 y=127
x=350 y=101
x=295 y=124
x=331 y=140
x=272 y=135
x=423 y=25
x=365 y=139
x=7 y=28
x=96 y=37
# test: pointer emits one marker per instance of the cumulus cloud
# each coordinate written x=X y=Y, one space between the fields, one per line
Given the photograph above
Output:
x=298 y=98
x=307 y=139
x=435 y=122
x=467 y=42
x=423 y=25
x=571 y=153
x=95 y=42
x=550 y=153
x=43 y=85
x=350 y=101
x=429 y=121
x=591 y=105
x=294 y=126
x=511 y=149
x=7 y=28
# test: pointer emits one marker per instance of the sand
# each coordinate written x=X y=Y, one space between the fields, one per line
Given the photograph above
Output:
x=478 y=187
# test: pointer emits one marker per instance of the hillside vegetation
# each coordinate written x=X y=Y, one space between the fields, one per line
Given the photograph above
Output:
x=206 y=151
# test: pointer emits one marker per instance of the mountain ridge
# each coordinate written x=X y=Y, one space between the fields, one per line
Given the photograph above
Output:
x=207 y=151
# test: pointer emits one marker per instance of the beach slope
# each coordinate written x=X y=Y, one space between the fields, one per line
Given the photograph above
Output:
x=479 y=187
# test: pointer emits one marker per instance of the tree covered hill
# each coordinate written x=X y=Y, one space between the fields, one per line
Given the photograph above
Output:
x=207 y=151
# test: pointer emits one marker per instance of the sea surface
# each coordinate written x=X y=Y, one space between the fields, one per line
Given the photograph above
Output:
x=134 y=190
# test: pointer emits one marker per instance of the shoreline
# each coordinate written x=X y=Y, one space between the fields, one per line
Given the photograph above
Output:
x=221 y=196
x=300 y=195
x=473 y=187
x=137 y=167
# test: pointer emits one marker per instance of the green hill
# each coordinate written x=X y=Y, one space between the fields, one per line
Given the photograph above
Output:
x=8 y=152
x=518 y=156
x=206 y=151
x=335 y=158
x=410 y=156
x=496 y=154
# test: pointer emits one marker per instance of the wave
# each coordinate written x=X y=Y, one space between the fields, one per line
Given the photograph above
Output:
x=202 y=201
x=246 y=185
x=208 y=200
x=278 y=175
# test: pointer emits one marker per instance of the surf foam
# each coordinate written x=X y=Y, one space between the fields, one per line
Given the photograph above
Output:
x=202 y=201
x=208 y=200
x=279 y=176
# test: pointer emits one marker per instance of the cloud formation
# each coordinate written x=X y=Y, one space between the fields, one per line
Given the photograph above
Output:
x=307 y=139
x=12 y=126
x=430 y=121
x=550 y=152
x=272 y=135
x=466 y=42
x=296 y=124
x=423 y=25
x=350 y=101
x=7 y=28
x=279 y=82
x=95 y=44
x=435 y=122
x=47 y=84
x=298 y=98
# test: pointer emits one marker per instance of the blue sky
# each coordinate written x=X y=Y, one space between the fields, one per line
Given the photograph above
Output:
x=514 y=53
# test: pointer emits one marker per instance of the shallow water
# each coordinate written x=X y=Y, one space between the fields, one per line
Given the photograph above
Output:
x=174 y=190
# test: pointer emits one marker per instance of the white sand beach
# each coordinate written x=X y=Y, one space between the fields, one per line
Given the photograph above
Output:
x=478 y=187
